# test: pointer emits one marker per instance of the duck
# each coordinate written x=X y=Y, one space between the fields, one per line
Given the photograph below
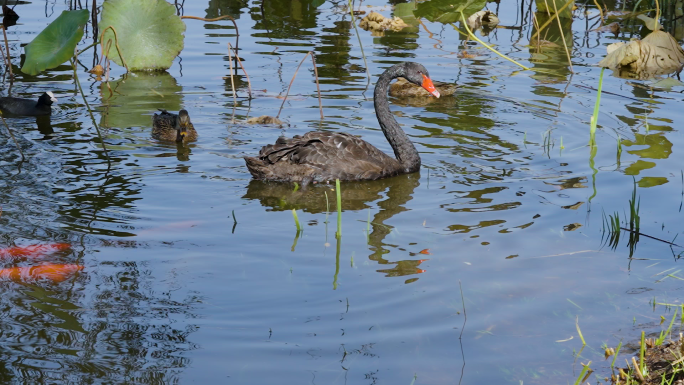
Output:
x=405 y=89
x=323 y=156
x=173 y=128
x=28 y=107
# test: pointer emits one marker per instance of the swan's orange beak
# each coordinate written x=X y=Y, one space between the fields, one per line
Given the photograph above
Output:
x=427 y=84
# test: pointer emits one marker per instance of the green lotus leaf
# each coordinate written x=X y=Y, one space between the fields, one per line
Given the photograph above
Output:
x=150 y=33
x=56 y=43
x=448 y=11
x=405 y=12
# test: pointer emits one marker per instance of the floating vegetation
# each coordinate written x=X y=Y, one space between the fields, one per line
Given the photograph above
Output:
x=483 y=19
x=264 y=119
x=656 y=54
x=378 y=24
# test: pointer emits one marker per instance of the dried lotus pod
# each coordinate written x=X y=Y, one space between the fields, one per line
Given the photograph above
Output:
x=97 y=70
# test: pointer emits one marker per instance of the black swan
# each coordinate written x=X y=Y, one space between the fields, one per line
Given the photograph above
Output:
x=172 y=127
x=28 y=107
x=320 y=156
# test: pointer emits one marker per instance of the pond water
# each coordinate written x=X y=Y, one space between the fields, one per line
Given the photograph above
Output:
x=506 y=212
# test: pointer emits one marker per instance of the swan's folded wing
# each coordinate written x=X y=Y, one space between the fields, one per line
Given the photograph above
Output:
x=329 y=155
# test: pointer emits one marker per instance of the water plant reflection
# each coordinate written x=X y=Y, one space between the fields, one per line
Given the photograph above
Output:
x=397 y=191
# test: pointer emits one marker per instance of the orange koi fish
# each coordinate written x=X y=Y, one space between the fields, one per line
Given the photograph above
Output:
x=55 y=273
x=33 y=250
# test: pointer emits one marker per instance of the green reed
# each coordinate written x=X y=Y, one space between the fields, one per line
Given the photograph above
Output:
x=611 y=225
x=327 y=207
x=634 y=205
x=642 y=352
x=296 y=219
x=664 y=333
x=583 y=374
x=584 y=343
x=615 y=356
x=338 y=191
x=594 y=117
x=619 y=148
x=368 y=227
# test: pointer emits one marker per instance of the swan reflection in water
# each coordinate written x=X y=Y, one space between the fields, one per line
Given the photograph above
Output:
x=397 y=191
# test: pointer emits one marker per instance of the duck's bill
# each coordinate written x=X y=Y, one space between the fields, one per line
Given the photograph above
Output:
x=427 y=84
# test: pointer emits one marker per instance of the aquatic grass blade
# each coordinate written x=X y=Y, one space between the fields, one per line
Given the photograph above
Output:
x=659 y=341
x=584 y=343
x=594 y=116
x=327 y=207
x=296 y=219
x=617 y=351
x=472 y=36
x=356 y=29
x=338 y=233
x=642 y=352
x=368 y=227
x=585 y=369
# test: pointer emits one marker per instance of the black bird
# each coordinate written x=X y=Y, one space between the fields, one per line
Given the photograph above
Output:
x=319 y=156
x=28 y=107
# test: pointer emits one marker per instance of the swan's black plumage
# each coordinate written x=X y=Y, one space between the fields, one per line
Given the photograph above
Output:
x=325 y=156
x=28 y=107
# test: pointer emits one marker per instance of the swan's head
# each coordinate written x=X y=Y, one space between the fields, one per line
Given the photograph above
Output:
x=47 y=98
x=182 y=124
x=417 y=74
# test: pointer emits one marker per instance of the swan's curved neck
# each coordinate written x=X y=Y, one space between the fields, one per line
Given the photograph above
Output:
x=404 y=150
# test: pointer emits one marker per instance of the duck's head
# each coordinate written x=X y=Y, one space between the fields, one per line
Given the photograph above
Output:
x=47 y=98
x=182 y=124
x=417 y=74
